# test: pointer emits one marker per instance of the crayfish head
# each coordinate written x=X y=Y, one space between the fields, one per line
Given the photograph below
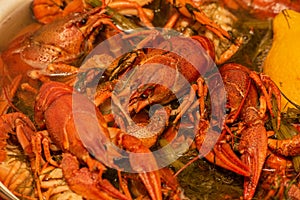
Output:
x=156 y=80
x=165 y=73
x=149 y=95
x=67 y=40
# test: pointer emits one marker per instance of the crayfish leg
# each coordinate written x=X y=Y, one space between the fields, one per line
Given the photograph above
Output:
x=19 y=124
x=287 y=147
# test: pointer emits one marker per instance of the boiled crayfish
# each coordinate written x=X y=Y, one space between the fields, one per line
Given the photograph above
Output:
x=30 y=141
x=242 y=101
x=249 y=111
x=191 y=9
x=276 y=177
x=173 y=53
x=263 y=9
x=55 y=104
x=56 y=48
x=15 y=172
x=61 y=114
x=46 y=11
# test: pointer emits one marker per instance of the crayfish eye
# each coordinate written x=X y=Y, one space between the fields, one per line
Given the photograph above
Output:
x=228 y=110
x=82 y=22
x=144 y=96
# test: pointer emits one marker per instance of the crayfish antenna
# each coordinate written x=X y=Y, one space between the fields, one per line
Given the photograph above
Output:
x=187 y=164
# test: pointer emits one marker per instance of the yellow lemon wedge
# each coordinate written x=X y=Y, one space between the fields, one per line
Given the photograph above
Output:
x=283 y=60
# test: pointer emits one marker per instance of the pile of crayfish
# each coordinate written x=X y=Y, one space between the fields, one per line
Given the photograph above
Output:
x=75 y=119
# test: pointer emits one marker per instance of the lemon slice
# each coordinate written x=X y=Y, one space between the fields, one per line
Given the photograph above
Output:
x=283 y=60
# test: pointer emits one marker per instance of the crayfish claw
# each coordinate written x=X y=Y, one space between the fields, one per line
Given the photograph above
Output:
x=149 y=176
x=86 y=183
x=254 y=146
x=223 y=156
x=152 y=183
